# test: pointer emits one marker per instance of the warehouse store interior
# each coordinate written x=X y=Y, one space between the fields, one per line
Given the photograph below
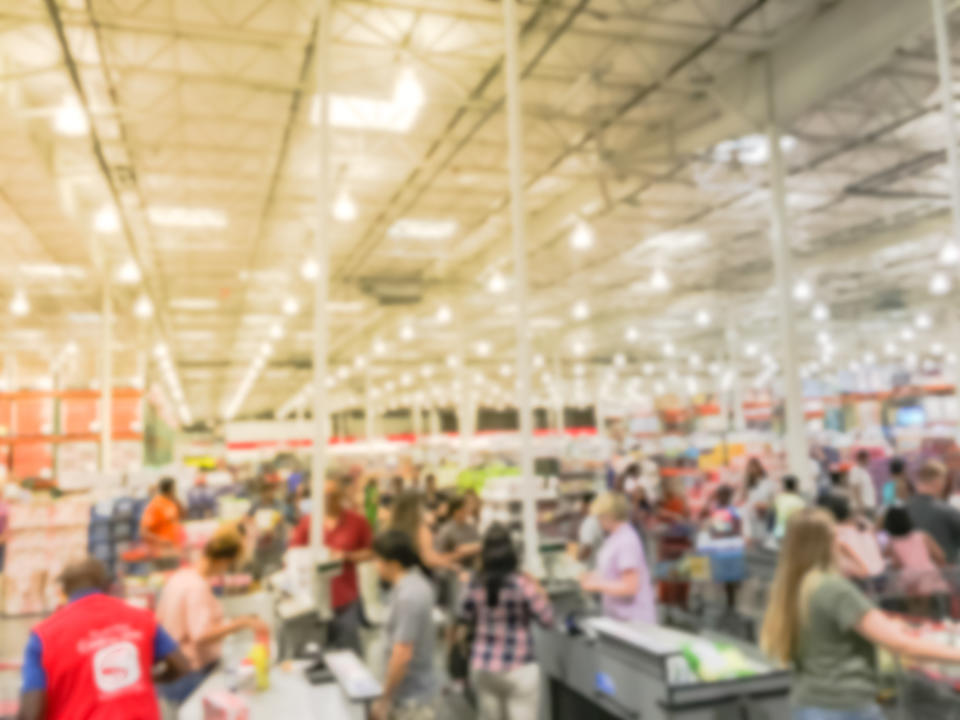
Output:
x=481 y=359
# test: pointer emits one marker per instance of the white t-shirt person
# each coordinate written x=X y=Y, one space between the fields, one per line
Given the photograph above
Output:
x=862 y=489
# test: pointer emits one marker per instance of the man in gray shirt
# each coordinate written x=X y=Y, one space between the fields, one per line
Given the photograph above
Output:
x=410 y=686
x=931 y=514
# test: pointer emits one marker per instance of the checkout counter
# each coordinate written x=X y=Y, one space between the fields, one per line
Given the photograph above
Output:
x=597 y=668
x=307 y=684
x=604 y=669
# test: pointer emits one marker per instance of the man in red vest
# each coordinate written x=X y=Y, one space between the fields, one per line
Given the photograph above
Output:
x=93 y=658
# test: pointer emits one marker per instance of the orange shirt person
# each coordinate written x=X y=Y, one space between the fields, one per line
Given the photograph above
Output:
x=160 y=526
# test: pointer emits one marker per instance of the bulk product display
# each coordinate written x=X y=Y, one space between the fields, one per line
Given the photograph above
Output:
x=44 y=536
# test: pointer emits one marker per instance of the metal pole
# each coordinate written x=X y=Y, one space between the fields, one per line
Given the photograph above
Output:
x=368 y=417
x=464 y=423
x=561 y=405
x=942 y=35
x=735 y=391
x=531 y=542
x=796 y=439
x=106 y=374
x=320 y=405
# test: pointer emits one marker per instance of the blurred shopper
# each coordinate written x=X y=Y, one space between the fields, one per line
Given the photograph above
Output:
x=622 y=578
x=201 y=500
x=785 y=504
x=931 y=514
x=722 y=541
x=459 y=538
x=498 y=610
x=269 y=514
x=914 y=555
x=407 y=517
x=410 y=686
x=858 y=552
x=194 y=617
x=160 y=526
x=898 y=487
x=94 y=658
x=819 y=622
x=676 y=539
x=589 y=534
x=863 y=491
x=348 y=536
x=756 y=497
x=371 y=502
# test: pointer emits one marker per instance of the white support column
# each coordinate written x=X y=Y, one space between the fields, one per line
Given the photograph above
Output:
x=942 y=36
x=320 y=251
x=466 y=416
x=369 y=421
x=417 y=416
x=106 y=373
x=796 y=437
x=561 y=402
x=531 y=541
x=734 y=394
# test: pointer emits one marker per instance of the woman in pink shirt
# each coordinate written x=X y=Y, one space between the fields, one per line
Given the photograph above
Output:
x=193 y=617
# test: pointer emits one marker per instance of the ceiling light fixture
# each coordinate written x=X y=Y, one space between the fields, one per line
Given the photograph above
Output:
x=128 y=273
x=106 y=220
x=407 y=333
x=923 y=321
x=496 y=284
x=820 y=312
x=940 y=284
x=482 y=348
x=70 y=119
x=143 y=308
x=310 y=269
x=379 y=347
x=420 y=229
x=668 y=349
x=949 y=254
x=196 y=218
x=580 y=310
x=619 y=360
x=907 y=335
x=291 y=306
x=703 y=318
x=444 y=314
x=582 y=237
x=19 y=305
x=631 y=335
x=659 y=281
x=344 y=209
x=276 y=331
x=802 y=291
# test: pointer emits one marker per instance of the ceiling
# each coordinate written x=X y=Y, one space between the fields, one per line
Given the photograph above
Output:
x=193 y=193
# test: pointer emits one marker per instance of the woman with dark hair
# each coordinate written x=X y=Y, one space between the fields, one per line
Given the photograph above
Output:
x=410 y=686
x=498 y=609
x=407 y=516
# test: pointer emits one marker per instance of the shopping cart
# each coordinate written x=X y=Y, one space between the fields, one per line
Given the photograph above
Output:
x=931 y=595
x=925 y=690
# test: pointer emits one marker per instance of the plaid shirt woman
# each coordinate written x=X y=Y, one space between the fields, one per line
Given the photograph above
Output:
x=500 y=607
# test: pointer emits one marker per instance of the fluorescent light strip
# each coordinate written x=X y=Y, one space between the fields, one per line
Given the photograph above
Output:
x=172 y=380
x=246 y=385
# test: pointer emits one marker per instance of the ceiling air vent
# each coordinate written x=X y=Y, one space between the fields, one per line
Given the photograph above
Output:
x=393 y=292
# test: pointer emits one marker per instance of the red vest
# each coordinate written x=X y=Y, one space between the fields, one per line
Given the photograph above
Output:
x=97 y=655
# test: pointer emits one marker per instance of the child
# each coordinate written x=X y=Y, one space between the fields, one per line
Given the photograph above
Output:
x=786 y=504
x=915 y=554
x=722 y=541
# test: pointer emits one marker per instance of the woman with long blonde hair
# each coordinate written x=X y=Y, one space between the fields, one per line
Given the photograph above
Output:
x=819 y=622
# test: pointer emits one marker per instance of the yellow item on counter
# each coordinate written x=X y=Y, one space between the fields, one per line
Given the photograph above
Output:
x=259 y=657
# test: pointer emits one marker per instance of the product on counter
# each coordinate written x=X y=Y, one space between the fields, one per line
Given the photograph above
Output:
x=712 y=662
x=224 y=705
